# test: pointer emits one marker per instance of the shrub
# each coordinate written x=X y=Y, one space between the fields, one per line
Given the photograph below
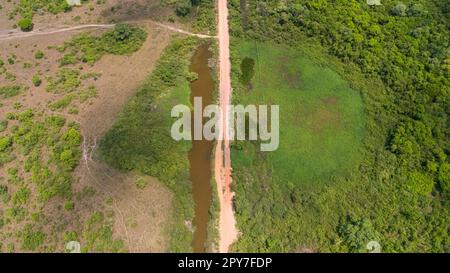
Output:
x=5 y=142
x=36 y=80
x=69 y=206
x=25 y=24
x=68 y=159
x=39 y=54
x=122 y=32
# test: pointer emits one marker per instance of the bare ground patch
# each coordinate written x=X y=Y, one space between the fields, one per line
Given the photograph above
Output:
x=324 y=118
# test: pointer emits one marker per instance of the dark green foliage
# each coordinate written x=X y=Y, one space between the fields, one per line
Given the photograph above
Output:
x=247 y=70
x=25 y=24
x=36 y=80
x=183 y=7
x=124 y=39
x=39 y=54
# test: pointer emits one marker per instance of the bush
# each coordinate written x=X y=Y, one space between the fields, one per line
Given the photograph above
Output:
x=68 y=159
x=69 y=206
x=5 y=143
x=39 y=54
x=25 y=24
x=122 y=32
x=36 y=80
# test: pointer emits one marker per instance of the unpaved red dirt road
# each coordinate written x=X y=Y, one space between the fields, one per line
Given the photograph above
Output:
x=227 y=223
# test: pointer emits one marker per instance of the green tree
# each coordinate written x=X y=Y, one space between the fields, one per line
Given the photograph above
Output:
x=399 y=9
x=357 y=233
x=183 y=7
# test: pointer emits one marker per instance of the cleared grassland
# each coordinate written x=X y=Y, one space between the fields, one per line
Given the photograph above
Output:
x=321 y=117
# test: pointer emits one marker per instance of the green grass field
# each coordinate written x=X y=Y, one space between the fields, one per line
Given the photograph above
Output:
x=321 y=117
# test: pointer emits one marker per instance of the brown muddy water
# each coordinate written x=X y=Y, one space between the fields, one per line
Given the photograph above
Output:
x=200 y=154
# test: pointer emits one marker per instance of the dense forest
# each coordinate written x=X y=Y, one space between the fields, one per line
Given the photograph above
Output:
x=399 y=192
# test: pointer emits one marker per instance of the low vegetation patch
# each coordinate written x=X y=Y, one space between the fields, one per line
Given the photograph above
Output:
x=10 y=91
x=124 y=39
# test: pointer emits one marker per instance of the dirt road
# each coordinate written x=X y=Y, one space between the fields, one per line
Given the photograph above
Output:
x=227 y=224
x=10 y=34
